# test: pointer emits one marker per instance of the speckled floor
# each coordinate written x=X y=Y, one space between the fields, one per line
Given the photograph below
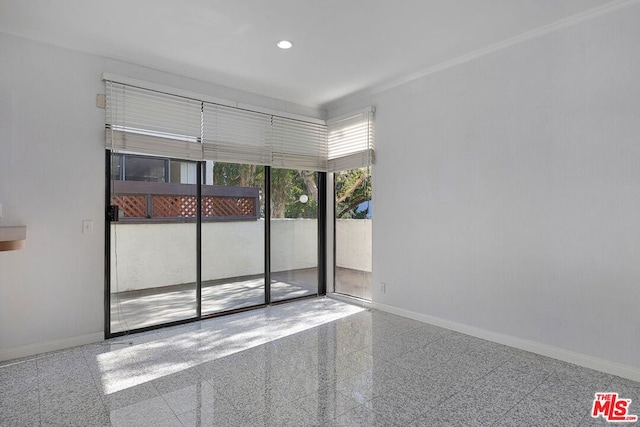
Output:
x=314 y=362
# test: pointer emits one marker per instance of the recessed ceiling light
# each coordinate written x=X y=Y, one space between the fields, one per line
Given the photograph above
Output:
x=284 y=44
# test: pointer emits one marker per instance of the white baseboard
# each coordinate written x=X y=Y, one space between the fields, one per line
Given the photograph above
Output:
x=44 y=347
x=602 y=365
x=349 y=300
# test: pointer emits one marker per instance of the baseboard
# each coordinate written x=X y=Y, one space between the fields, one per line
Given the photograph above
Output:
x=602 y=365
x=44 y=347
x=349 y=300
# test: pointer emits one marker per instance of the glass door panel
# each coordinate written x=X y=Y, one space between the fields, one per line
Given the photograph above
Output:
x=294 y=233
x=232 y=237
x=153 y=243
x=353 y=233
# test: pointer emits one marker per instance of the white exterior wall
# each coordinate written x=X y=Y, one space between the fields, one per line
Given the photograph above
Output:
x=294 y=244
x=154 y=255
x=519 y=172
x=353 y=244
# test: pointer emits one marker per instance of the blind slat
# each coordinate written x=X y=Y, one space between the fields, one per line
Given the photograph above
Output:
x=136 y=110
x=298 y=145
x=134 y=143
x=350 y=141
x=236 y=136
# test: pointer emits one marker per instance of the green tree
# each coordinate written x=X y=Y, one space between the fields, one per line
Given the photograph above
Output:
x=238 y=175
x=353 y=187
x=287 y=185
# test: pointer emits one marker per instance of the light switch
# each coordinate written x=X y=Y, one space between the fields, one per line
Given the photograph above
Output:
x=87 y=226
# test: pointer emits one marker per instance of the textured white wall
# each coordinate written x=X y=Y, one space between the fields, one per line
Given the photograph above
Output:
x=52 y=178
x=519 y=175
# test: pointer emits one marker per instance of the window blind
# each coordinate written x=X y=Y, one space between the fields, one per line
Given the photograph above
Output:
x=351 y=141
x=144 y=121
x=148 y=122
x=298 y=145
x=236 y=135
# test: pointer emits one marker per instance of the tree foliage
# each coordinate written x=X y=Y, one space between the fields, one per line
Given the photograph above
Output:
x=353 y=188
x=287 y=186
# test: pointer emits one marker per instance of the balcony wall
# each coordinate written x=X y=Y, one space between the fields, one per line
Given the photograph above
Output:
x=353 y=249
x=156 y=255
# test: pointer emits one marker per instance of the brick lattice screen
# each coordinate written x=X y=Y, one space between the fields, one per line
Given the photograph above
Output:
x=131 y=206
x=227 y=206
x=140 y=201
x=174 y=206
x=184 y=206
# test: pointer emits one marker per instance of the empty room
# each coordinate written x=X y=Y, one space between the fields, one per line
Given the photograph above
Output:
x=338 y=213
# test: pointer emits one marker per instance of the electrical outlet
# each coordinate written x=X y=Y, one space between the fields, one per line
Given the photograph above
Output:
x=0 y=210
x=87 y=226
x=383 y=287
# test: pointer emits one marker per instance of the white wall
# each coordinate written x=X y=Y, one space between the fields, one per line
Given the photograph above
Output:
x=507 y=192
x=52 y=178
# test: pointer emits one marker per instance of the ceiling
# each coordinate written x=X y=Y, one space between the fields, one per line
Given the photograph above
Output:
x=341 y=47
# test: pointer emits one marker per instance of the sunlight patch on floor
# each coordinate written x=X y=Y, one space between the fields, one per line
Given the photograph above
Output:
x=211 y=339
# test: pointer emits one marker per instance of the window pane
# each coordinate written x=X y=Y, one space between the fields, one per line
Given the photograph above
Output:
x=353 y=232
x=153 y=251
x=144 y=169
x=182 y=172
x=294 y=233
x=232 y=238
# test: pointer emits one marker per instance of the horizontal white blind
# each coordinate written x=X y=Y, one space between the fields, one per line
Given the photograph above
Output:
x=235 y=135
x=351 y=141
x=140 y=143
x=148 y=122
x=298 y=145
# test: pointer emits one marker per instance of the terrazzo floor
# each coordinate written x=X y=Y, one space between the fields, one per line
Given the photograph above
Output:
x=315 y=362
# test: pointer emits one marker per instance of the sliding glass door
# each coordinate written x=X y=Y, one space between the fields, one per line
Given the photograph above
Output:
x=188 y=240
x=294 y=233
x=353 y=232
x=233 y=234
x=152 y=241
x=195 y=228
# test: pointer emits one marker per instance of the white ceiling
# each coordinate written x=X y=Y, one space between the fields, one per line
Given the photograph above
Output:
x=340 y=46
